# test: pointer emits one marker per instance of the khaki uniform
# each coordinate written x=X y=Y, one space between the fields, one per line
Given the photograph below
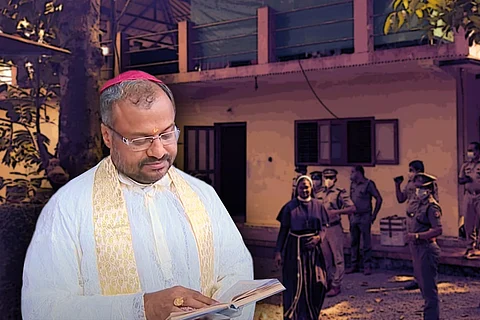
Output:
x=361 y=221
x=412 y=200
x=426 y=254
x=332 y=246
x=471 y=202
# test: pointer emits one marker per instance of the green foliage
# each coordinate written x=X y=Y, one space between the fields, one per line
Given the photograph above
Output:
x=19 y=133
x=27 y=106
x=439 y=17
x=22 y=143
x=25 y=188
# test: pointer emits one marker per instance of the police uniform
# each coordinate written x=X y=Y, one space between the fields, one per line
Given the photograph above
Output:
x=332 y=246
x=471 y=201
x=426 y=253
x=317 y=180
x=410 y=192
x=361 y=194
x=316 y=175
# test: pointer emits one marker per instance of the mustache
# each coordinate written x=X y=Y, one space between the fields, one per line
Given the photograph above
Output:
x=165 y=157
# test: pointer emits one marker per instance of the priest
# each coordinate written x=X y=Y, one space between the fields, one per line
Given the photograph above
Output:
x=133 y=237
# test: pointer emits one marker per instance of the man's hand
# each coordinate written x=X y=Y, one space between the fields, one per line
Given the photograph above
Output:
x=278 y=259
x=410 y=237
x=159 y=305
x=332 y=213
x=373 y=219
x=465 y=180
x=312 y=242
x=335 y=212
x=398 y=180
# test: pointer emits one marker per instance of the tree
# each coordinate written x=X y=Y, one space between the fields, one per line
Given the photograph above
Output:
x=21 y=139
x=28 y=105
x=439 y=18
x=73 y=25
x=80 y=139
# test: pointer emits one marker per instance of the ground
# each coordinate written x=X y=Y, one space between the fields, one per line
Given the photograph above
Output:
x=381 y=296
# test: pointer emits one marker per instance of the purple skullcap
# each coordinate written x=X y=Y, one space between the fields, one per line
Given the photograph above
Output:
x=129 y=75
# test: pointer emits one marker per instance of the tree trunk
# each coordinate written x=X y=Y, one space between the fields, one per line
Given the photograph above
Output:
x=79 y=146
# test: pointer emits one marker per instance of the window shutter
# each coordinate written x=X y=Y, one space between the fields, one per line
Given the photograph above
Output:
x=387 y=142
x=306 y=135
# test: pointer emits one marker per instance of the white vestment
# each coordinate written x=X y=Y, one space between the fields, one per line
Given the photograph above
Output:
x=61 y=279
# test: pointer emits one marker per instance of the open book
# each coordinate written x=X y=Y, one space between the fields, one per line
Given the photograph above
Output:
x=239 y=295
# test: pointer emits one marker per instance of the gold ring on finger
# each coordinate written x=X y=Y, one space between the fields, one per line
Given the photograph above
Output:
x=178 y=302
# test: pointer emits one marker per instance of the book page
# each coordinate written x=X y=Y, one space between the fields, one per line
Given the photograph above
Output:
x=260 y=294
x=240 y=294
x=195 y=314
x=243 y=287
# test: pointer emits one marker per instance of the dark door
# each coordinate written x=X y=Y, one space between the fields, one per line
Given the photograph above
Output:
x=231 y=167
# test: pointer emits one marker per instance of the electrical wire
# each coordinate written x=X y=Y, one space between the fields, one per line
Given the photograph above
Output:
x=313 y=91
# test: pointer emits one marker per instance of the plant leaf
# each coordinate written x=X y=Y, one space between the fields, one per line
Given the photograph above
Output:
x=401 y=20
x=396 y=4
x=475 y=19
x=388 y=22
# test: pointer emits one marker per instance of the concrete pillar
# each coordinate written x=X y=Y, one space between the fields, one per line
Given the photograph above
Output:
x=265 y=35
x=363 y=26
x=185 y=61
x=120 y=53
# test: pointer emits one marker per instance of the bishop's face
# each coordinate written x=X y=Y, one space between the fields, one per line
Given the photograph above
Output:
x=131 y=122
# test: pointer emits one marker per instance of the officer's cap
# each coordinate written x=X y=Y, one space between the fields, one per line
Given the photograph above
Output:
x=301 y=169
x=424 y=180
x=330 y=173
x=316 y=175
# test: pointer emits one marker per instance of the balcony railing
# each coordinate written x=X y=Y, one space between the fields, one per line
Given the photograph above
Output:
x=130 y=53
x=238 y=48
x=333 y=27
x=321 y=30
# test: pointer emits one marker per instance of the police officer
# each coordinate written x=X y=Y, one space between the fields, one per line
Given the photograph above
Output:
x=362 y=190
x=317 y=180
x=408 y=195
x=423 y=227
x=337 y=202
x=470 y=177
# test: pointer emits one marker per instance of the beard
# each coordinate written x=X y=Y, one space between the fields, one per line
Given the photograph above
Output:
x=134 y=170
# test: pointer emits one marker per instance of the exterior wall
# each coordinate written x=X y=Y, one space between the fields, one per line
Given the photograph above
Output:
x=424 y=103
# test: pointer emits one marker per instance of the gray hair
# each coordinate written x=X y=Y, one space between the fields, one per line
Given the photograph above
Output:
x=139 y=92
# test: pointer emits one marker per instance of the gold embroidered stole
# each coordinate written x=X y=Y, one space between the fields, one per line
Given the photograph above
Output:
x=116 y=263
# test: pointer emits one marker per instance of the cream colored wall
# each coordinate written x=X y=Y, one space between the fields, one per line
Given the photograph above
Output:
x=424 y=103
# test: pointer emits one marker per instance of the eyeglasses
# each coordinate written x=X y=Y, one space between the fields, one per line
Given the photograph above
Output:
x=144 y=143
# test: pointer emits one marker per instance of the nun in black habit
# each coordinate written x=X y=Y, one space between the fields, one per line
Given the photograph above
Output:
x=303 y=222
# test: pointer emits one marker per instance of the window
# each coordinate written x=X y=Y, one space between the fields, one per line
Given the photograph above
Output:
x=345 y=142
x=6 y=74
x=199 y=152
x=386 y=135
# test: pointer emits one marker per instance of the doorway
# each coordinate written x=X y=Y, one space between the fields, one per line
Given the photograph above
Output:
x=231 y=167
x=220 y=152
